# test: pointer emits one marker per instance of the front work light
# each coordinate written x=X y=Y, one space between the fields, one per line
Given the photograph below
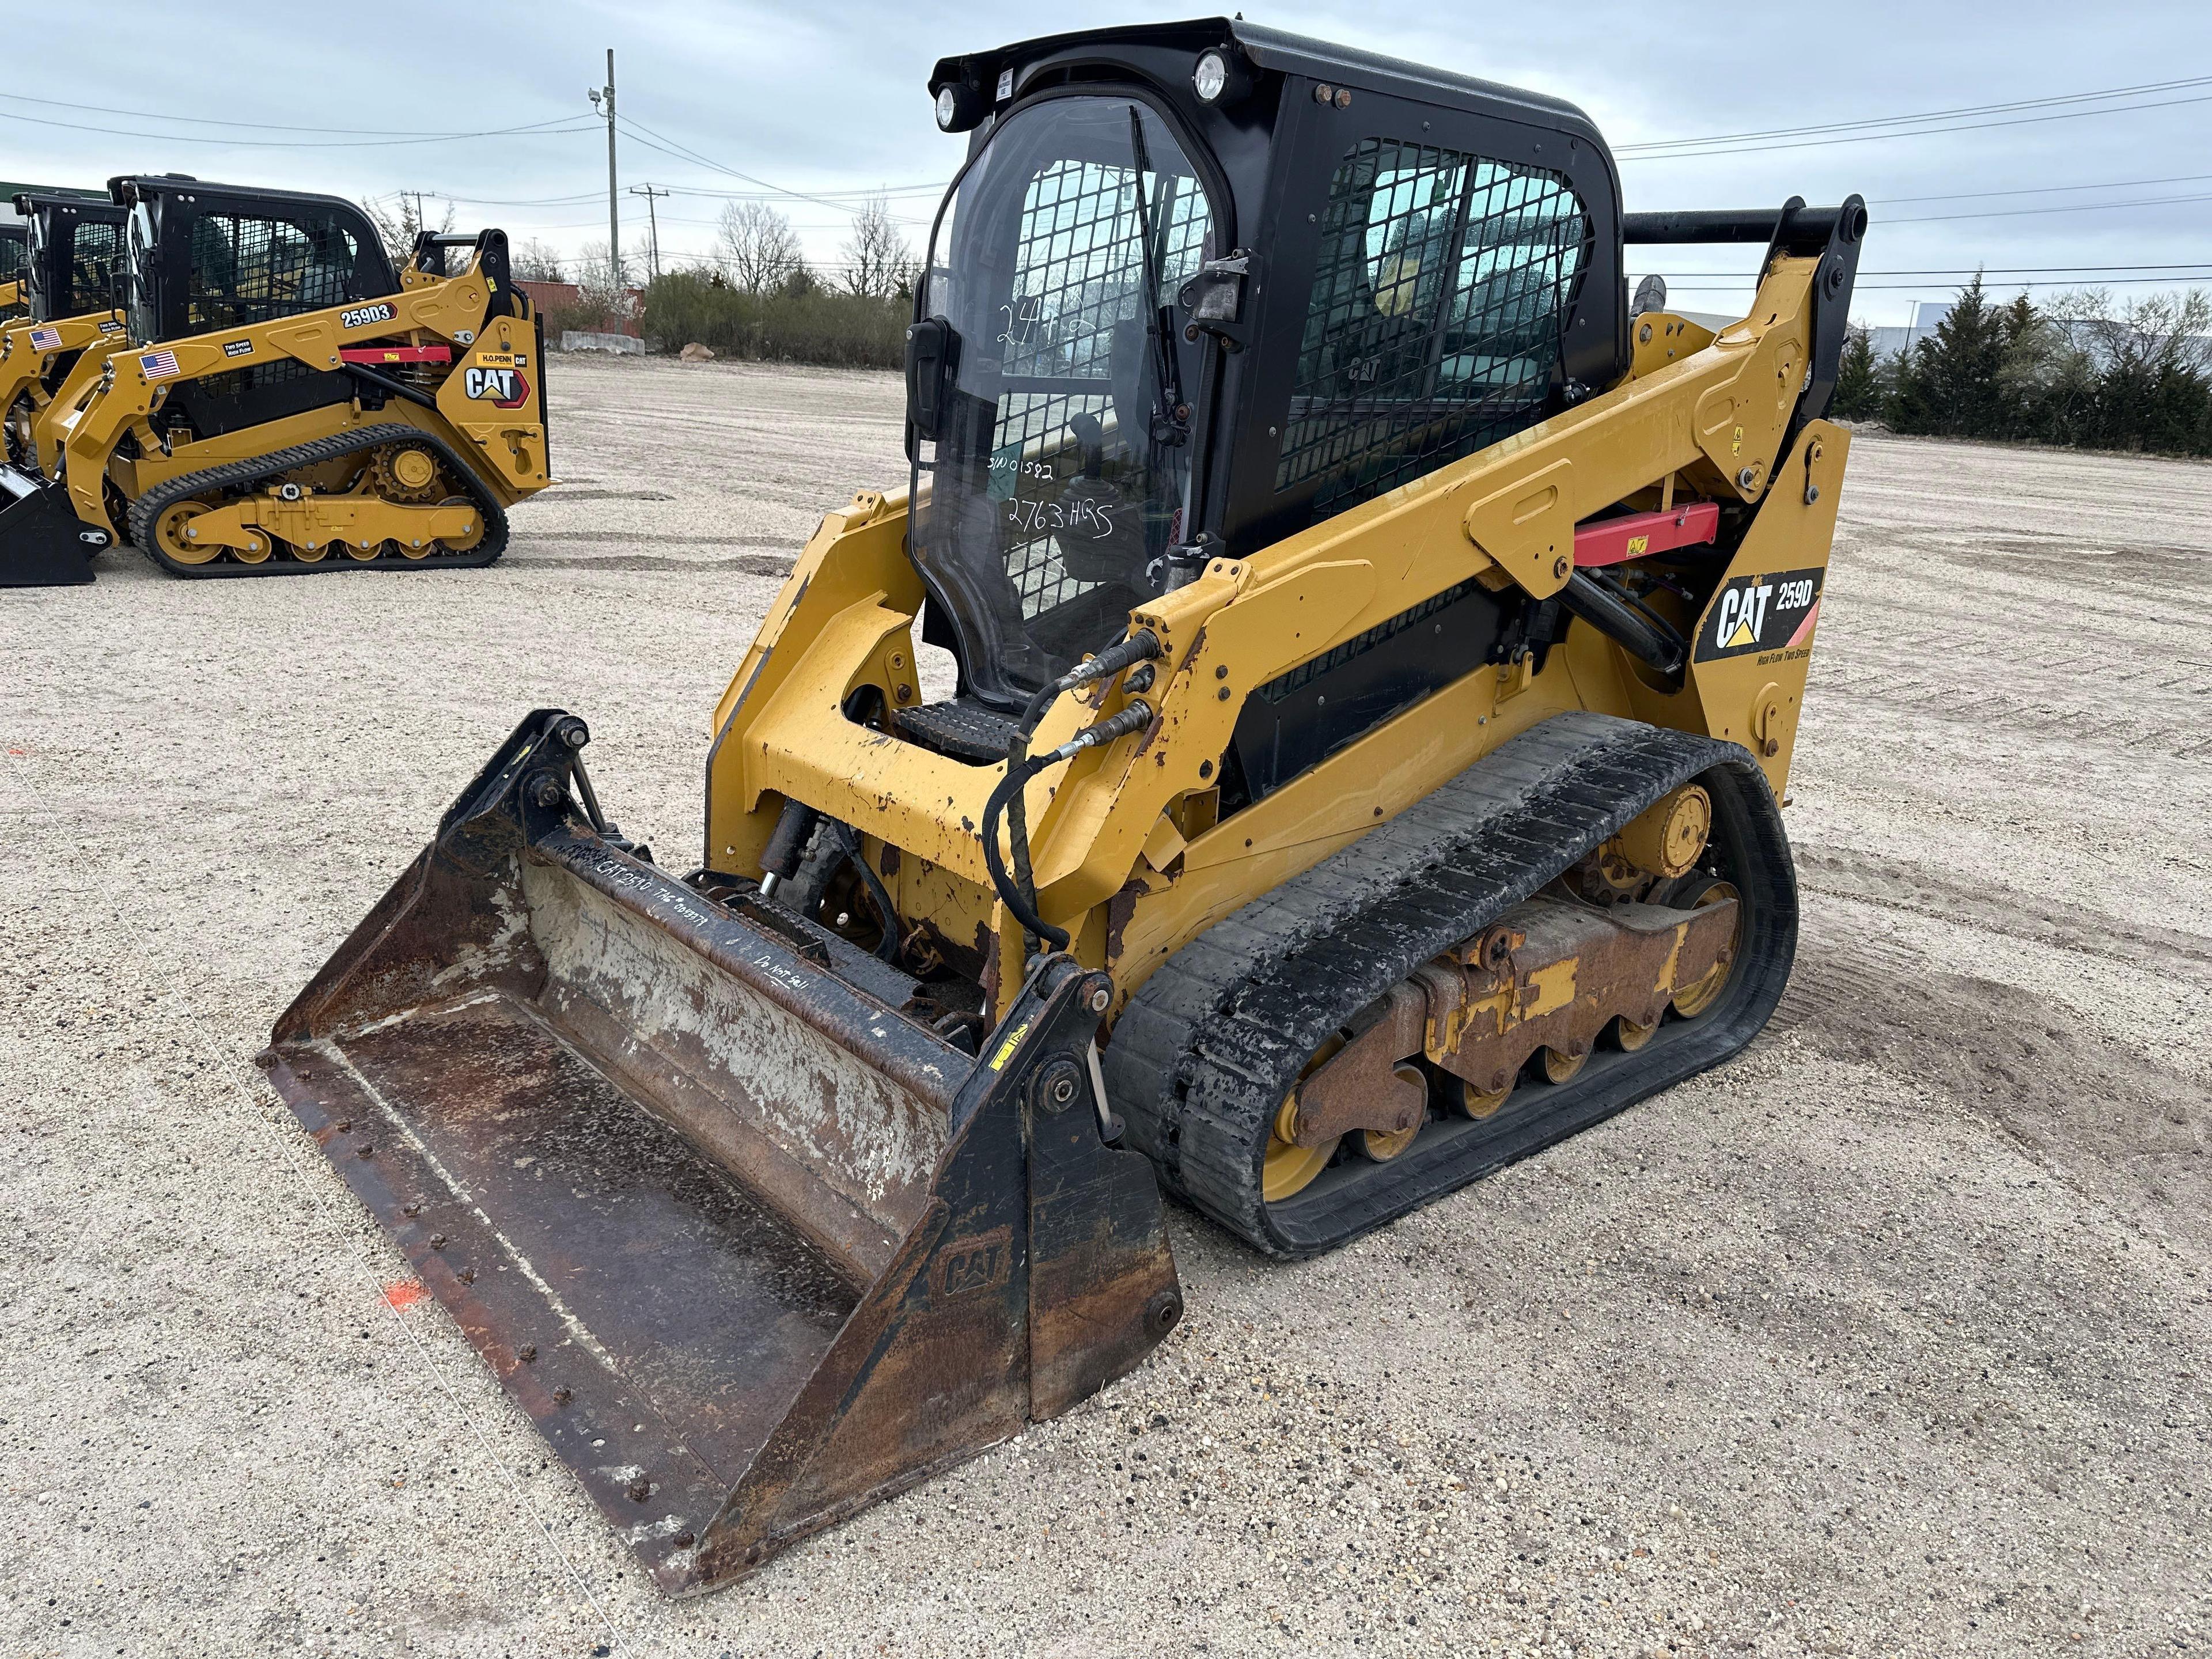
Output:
x=948 y=107
x=1218 y=78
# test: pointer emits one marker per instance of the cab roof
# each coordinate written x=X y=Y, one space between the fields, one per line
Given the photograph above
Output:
x=1268 y=49
x=126 y=188
x=28 y=201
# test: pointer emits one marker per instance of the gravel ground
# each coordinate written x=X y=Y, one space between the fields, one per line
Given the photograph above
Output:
x=1890 y=1337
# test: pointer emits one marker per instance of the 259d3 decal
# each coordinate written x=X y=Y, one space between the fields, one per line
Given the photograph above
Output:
x=1761 y=613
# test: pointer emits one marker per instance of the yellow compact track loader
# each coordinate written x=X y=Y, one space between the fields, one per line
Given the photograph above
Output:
x=1379 y=658
x=73 y=270
x=291 y=404
x=14 y=236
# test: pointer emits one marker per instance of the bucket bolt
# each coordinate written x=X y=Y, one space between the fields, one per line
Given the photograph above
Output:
x=1162 y=1312
x=1058 y=1082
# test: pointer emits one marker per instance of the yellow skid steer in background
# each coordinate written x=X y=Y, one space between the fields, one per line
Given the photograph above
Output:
x=292 y=404
x=1379 y=660
x=73 y=270
x=13 y=237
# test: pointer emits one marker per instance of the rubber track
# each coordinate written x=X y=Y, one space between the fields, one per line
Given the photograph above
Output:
x=1203 y=1056
x=150 y=506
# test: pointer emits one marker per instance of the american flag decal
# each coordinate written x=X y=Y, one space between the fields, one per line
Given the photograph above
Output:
x=46 y=339
x=157 y=364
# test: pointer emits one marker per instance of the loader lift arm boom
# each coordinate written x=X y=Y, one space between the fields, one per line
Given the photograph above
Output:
x=1727 y=410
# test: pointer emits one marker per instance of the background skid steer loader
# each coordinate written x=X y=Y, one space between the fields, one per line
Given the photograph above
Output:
x=1380 y=659
x=294 y=405
x=73 y=275
x=12 y=298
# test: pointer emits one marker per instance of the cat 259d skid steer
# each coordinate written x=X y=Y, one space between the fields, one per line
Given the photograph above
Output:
x=72 y=275
x=14 y=236
x=1379 y=657
x=291 y=402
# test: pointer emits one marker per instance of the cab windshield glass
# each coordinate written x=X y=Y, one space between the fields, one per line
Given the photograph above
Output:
x=1062 y=468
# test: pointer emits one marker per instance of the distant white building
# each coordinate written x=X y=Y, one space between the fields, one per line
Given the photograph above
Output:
x=1926 y=314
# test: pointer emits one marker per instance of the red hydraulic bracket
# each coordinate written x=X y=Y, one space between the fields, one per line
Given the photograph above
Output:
x=373 y=355
x=1633 y=535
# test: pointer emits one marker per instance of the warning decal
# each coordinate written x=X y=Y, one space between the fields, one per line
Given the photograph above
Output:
x=1761 y=613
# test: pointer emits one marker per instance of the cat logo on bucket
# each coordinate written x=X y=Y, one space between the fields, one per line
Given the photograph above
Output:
x=1762 y=613
x=493 y=378
x=967 y=1265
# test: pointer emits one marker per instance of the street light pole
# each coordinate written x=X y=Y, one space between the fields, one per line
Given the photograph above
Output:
x=603 y=99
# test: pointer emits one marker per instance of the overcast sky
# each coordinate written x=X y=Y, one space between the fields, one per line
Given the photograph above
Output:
x=830 y=98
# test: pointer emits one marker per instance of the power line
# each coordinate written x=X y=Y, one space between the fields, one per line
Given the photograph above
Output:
x=1926 y=115
x=1914 y=132
x=644 y=135
x=541 y=128
x=2065 y=207
x=210 y=120
x=2038 y=190
x=862 y=196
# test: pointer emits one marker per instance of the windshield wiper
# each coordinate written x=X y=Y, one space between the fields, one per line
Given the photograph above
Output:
x=1171 y=416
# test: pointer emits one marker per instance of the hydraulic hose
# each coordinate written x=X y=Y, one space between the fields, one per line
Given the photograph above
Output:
x=878 y=895
x=1637 y=630
x=1018 y=896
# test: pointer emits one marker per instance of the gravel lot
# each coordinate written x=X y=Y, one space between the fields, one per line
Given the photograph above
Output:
x=1891 y=1337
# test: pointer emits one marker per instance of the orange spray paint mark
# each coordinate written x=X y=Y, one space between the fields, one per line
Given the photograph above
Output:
x=405 y=1293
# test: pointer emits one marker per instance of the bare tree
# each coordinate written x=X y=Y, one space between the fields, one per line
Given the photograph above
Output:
x=595 y=276
x=534 y=262
x=2136 y=342
x=879 y=261
x=400 y=216
x=757 y=247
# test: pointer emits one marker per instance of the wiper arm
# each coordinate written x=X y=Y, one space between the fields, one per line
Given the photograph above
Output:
x=1171 y=421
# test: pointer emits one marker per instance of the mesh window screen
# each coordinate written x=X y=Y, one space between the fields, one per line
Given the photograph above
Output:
x=1076 y=278
x=1434 y=328
x=248 y=271
x=11 y=262
x=94 y=250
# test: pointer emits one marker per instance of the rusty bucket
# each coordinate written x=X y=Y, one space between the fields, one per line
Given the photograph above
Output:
x=753 y=1247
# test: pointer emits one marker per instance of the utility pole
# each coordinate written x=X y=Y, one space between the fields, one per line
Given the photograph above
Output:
x=603 y=99
x=653 y=219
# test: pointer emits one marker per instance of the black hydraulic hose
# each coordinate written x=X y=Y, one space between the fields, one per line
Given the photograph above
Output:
x=1020 y=898
x=1624 y=623
x=385 y=384
x=1636 y=602
x=1016 y=888
x=1139 y=647
x=878 y=895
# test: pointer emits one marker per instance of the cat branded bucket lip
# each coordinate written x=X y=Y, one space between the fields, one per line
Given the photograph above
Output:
x=754 y=1247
